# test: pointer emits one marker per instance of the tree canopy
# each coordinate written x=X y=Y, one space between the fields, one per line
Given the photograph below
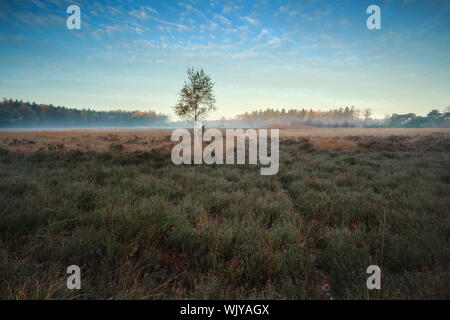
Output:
x=196 y=97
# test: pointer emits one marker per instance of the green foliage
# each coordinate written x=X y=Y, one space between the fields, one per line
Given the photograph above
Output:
x=196 y=97
x=434 y=119
x=140 y=227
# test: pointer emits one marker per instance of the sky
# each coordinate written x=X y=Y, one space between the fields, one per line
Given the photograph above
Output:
x=312 y=54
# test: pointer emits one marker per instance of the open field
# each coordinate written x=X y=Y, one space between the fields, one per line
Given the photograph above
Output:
x=129 y=141
x=142 y=228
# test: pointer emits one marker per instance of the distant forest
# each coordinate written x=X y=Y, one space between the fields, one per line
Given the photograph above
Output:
x=19 y=114
x=344 y=117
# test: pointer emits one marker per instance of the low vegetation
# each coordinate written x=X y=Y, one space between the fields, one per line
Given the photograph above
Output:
x=142 y=228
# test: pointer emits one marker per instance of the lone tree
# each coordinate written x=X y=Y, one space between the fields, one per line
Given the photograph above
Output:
x=196 y=97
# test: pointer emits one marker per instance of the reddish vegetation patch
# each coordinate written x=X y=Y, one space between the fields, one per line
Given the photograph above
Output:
x=337 y=143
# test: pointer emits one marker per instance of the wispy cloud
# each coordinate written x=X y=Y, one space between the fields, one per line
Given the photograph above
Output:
x=222 y=19
x=250 y=20
x=262 y=34
x=142 y=12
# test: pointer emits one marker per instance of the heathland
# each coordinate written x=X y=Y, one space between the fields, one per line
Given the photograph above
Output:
x=142 y=228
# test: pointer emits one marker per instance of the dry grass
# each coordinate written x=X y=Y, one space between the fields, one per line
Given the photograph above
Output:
x=304 y=131
x=338 y=139
x=100 y=141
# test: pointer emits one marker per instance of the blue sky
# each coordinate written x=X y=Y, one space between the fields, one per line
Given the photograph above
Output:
x=292 y=54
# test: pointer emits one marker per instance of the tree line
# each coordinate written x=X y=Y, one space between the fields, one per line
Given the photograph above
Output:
x=344 y=117
x=434 y=119
x=17 y=113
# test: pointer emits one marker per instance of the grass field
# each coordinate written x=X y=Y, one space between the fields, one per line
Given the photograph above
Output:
x=142 y=228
